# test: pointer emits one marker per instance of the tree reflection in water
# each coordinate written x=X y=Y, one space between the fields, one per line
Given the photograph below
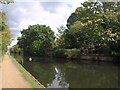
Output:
x=59 y=81
x=66 y=75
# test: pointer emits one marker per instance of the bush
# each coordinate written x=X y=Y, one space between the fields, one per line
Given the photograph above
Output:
x=72 y=53
x=59 y=53
x=16 y=49
x=67 y=53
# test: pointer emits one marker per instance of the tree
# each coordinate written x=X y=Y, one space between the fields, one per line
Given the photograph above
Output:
x=15 y=49
x=94 y=23
x=60 y=40
x=36 y=40
x=6 y=1
x=5 y=35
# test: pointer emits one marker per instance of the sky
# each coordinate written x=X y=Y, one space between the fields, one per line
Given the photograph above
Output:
x=53 y=13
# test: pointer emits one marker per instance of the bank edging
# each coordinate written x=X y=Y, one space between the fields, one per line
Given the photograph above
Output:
x=28 y=77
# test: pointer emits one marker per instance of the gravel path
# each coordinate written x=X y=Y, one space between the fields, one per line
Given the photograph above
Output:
x=11 y=76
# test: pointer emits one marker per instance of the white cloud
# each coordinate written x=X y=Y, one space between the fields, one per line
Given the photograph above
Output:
x=49 y=0
x=37 y=15
x=23 y=14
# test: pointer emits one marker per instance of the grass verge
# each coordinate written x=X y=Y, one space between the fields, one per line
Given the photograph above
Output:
x=28 y=77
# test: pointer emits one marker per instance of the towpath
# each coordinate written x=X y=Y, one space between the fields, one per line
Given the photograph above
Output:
x=11 y=76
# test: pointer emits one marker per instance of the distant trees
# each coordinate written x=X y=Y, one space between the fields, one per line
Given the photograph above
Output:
x=94 y=24
x=36 y=40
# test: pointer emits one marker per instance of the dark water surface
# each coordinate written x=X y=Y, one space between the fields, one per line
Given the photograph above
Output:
x=61 y=74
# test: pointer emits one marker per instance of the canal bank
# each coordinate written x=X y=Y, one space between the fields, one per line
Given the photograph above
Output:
x=15 y=76
x=55 y=73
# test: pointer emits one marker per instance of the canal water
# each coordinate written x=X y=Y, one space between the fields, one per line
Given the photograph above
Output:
x=59 y=73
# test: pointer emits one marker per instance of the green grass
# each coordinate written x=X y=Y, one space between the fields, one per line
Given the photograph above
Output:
x=28 y=77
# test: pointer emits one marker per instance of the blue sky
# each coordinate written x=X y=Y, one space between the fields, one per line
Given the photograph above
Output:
x=53 y=13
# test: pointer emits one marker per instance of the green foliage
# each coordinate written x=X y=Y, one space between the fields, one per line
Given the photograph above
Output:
x=36 y=40
x=60 y=40
x=15 y=49
x=59 y=53
x=61 y=30
x=67 y=53
x=93 y=24
x=6 y=1
x=72 y=53
x=5 y=35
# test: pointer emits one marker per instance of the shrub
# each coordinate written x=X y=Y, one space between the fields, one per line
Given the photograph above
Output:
x=67 y=53
x=72 y=53
x=59 y=53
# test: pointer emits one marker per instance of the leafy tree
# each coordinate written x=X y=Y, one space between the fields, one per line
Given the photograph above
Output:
x=5 y=35
x=60 y=40
x=65 y=39
x=94 y=23
x=6 y=1
x=16 y=49
x=36 y=40
x=61 y=30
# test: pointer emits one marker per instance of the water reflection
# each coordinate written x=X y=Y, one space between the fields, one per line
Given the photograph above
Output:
x=59 y=81
x=71 y=75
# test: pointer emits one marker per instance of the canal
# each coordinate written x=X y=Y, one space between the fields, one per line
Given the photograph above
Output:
x=59 y=73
